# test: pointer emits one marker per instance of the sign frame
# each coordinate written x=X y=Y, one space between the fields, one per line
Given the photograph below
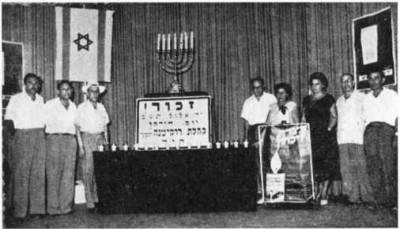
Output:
x=363 y=20
x=169 y=98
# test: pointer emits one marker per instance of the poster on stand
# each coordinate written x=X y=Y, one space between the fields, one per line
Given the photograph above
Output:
x=286 y=163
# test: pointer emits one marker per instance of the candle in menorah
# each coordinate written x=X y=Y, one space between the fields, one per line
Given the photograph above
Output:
x=175 y=59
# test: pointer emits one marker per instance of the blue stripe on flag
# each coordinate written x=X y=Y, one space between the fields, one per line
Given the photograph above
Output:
x=66 y=42
x=100 y=51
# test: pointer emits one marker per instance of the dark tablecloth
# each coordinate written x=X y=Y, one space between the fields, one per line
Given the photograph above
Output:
x=200 y=180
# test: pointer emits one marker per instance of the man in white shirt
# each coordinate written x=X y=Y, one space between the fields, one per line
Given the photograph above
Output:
x=256 y=108
x=255 y=112
x=92 y=120
x=350 y=130
x=61 y=150
x=380 y=111
x=25 y=112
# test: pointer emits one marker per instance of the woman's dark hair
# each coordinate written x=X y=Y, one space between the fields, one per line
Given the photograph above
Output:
x=321 y=77
x=284 y=86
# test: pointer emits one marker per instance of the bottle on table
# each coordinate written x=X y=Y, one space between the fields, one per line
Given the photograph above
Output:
x=125 y=146
x=113 y=147
x=246 y=143
x=218 y=145
x=236 y=144
x=226 y=144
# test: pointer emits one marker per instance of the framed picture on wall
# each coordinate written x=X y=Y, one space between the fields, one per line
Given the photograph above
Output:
x=373 y=48
x=12 y=54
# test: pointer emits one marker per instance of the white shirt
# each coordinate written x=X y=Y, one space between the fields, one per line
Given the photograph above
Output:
x=92 y=120
x=350 y=126
x=276 y=116
x=24 y=112
x=256 y=111
x=383 y=108
x=59 y=119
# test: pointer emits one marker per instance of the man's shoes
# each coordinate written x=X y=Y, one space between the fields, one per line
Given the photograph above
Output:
x=69 y=213
x=36 y=216
x=371 y=205
x=347 y=201
x=19 y=220
x=338 y=199
x=260 y=201
x=93 y=210
x=323 y=202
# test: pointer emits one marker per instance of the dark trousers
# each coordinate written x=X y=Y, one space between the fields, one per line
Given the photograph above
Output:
x=253 y=137
x=381 y=160
x=252 y=134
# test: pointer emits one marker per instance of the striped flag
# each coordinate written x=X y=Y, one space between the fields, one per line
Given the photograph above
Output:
x=83 y=39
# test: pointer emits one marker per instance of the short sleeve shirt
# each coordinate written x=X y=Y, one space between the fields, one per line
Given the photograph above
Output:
x=90 y=119
x=25 y=112
x=276 y=115
x=58 y=118
x=350 y=126
x=383 y=108
x=255 y=111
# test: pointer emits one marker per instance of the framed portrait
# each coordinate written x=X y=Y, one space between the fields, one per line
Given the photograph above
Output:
x=373 y=47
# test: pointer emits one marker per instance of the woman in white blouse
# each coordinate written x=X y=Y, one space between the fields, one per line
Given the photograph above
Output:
x=284 y=111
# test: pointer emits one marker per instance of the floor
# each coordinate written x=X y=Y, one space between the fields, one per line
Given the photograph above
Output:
x=332 y=215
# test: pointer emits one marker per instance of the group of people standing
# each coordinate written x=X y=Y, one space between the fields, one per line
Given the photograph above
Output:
x=353 y=138
x=46 y=137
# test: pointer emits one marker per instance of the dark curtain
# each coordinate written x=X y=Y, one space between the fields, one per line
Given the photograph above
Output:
x=234 y=42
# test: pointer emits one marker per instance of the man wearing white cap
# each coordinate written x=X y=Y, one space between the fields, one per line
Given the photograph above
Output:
x=92 y=120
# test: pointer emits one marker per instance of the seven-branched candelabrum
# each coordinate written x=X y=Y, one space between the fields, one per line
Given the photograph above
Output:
x=175 y=58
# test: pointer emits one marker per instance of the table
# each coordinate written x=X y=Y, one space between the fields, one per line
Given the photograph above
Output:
x=191 y=180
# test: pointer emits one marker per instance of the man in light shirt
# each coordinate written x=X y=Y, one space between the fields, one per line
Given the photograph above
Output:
x=255 y=112
x=25 y=112
x=256 y=108
x=61 y=150
x=92 y=120
x=355 y=181
x=380 y=109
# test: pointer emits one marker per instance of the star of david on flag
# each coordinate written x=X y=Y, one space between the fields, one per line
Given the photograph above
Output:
x=83 y=41
x=83 y=38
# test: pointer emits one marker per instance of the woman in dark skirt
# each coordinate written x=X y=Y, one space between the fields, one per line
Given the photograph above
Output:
x=319 y=111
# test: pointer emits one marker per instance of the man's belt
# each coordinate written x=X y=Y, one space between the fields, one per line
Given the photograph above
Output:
x=100 y=133
x=60 y=134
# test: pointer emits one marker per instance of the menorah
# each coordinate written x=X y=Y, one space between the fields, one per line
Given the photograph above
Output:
x=175 y=60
